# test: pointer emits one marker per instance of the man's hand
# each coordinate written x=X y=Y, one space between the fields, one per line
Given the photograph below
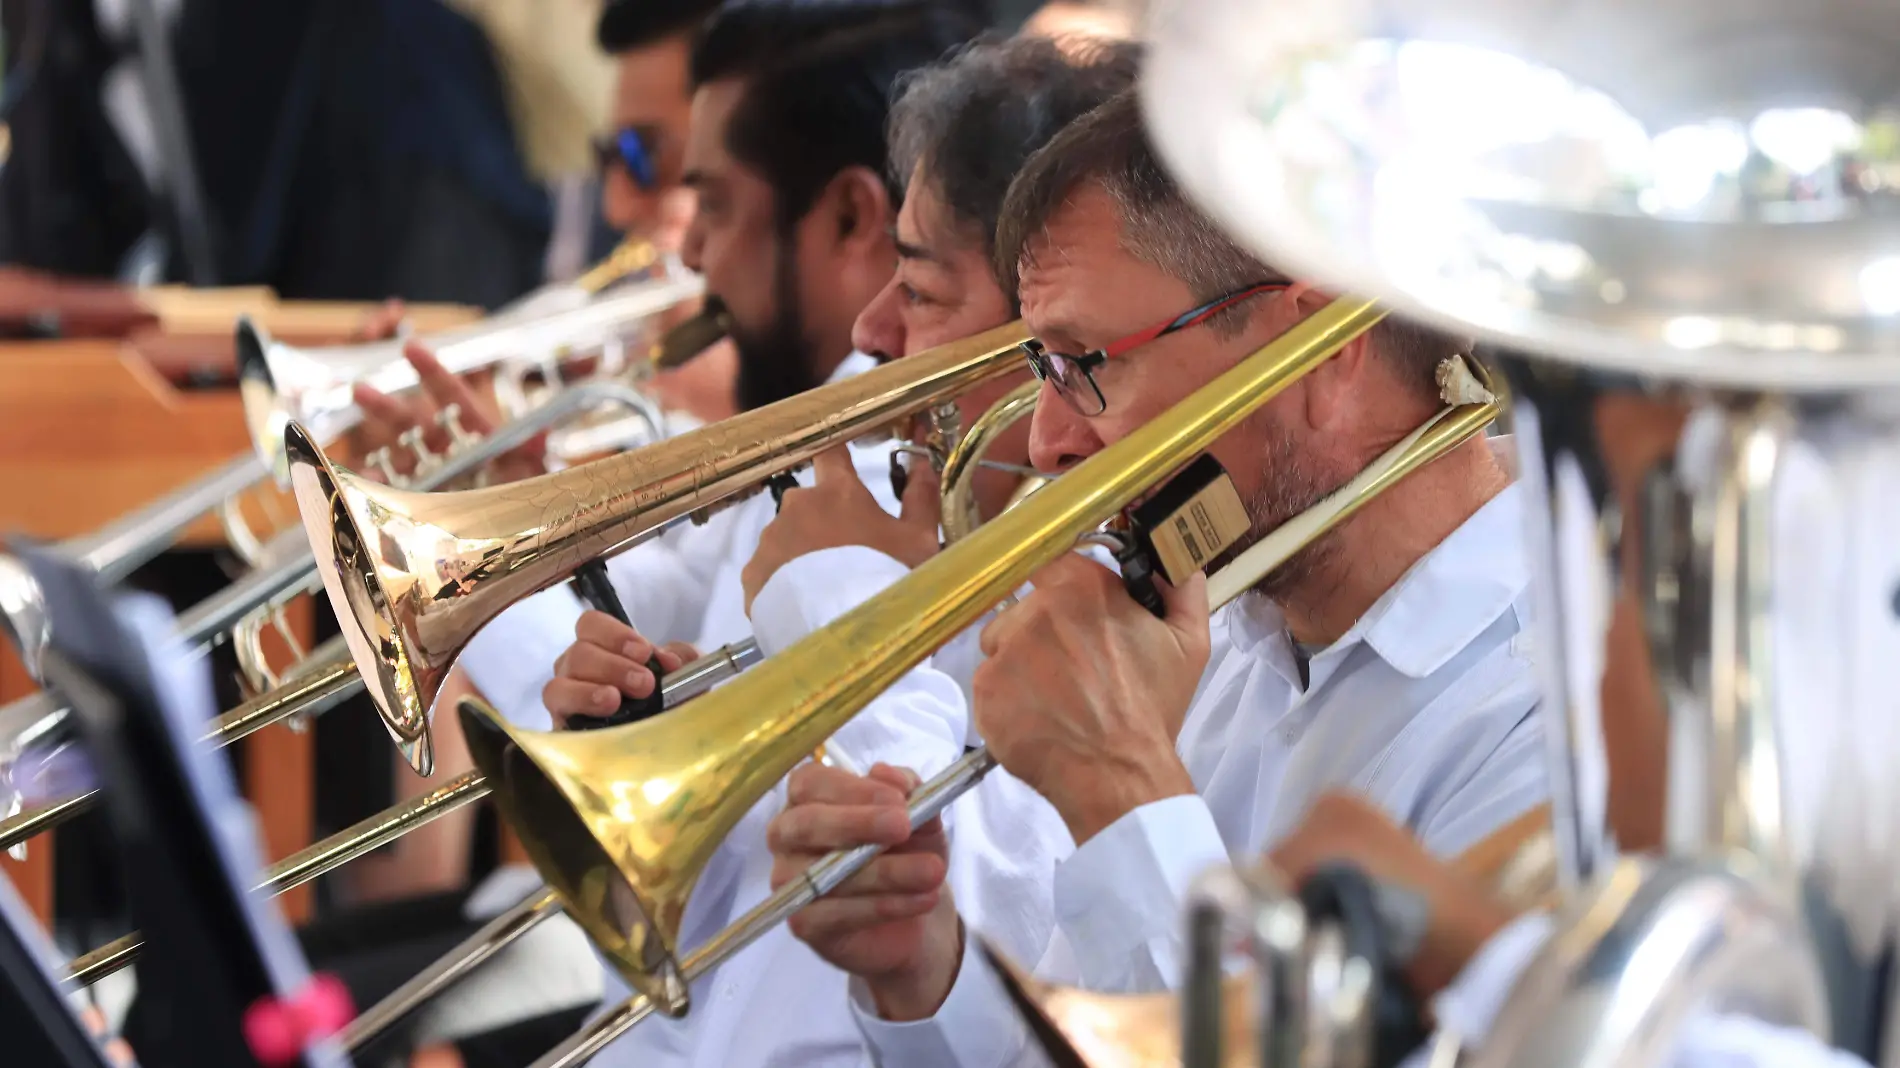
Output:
x=1342 y=828
x=387 y=418
x=892 y=924
x=1084 y=691
x=608 y=659
x=839 y=510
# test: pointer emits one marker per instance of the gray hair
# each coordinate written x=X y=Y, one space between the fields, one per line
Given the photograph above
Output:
x=971 y=121
x=1110 y=147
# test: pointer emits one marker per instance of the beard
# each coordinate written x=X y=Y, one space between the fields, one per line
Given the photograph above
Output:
x=775 y=362
x=1294 y=483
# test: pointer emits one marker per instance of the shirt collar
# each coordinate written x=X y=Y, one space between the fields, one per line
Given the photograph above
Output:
x=855 y=364
x=1435 y=609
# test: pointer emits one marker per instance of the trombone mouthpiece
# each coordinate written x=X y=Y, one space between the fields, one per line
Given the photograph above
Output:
x=692 y=337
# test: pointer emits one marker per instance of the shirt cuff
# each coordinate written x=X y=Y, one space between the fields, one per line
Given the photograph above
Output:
x=1470 y=1005
x=1119 y=898
x=511 y=660
x=977 y=1026
x=812 y=590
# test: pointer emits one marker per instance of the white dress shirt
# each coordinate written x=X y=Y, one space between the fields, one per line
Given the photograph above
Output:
x=1428 y=706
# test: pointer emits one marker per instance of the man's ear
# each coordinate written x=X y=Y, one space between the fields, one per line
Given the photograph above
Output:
x=1332 y=389
x=861 y=206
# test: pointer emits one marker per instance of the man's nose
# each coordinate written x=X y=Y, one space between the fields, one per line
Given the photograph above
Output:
x=879 y=329
x=693 y=247
x=1059 y=437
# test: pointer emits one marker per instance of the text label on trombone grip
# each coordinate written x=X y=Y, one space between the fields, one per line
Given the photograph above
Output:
x=1193 y=518
x=594 y=587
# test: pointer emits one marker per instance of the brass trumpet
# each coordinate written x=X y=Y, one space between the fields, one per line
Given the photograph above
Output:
x=622 y=821
x=413 y=576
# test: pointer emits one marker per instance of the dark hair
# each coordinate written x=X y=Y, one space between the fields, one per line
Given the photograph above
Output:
x=628 y=24
x=1110 y=147
x=972 y=121
x=818 y=78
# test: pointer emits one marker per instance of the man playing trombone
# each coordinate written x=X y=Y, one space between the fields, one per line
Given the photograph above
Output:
x=1388 y=656
x=958 y=133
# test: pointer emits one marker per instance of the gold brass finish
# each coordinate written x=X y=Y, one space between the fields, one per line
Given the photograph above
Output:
x=622 y=821
x=960 y=513
x=413 y=576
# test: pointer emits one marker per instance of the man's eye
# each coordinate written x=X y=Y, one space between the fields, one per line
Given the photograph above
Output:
x=911 y=295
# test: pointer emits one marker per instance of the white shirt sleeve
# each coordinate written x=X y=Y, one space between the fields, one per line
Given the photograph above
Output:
x=1120 y=900
x=1119 y=904
x=1470 y=1005
x=977 y=1026
x=922 y=720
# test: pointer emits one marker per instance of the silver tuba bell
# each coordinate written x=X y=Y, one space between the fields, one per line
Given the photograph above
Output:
x=1680 y=222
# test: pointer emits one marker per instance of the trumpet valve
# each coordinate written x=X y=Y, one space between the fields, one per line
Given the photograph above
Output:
x=414 y=440
x=384 y=463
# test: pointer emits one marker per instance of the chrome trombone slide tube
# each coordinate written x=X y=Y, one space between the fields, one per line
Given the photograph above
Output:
x=926 y=802
x=120 y=547
x=117 y=549
x=494 y=936
x=387 y=826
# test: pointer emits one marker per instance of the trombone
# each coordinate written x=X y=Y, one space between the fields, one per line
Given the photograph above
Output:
x=413 y=576
x=622 y=826
x=385 y=827
x=623 y=881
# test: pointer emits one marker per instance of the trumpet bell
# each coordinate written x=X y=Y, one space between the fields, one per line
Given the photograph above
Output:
x=620 y=824
x=1700 y=189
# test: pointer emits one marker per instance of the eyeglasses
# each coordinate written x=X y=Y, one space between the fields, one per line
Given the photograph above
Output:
x=632 y=149
x=1074 y=376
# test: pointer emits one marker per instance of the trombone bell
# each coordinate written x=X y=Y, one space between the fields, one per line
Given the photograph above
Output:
x=609 y=821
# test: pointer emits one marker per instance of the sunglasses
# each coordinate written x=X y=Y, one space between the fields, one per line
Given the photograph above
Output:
x=631 y=148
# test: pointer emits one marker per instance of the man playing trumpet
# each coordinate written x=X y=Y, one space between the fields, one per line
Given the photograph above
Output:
x=1388 y=656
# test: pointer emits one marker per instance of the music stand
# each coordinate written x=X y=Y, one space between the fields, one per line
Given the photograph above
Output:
x=215 y=951
x=37 y=1020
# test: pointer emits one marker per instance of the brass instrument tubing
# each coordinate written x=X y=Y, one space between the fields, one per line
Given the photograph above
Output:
x=494 y=936
x=328 y=682
x=926 y=802
x=385 y=827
